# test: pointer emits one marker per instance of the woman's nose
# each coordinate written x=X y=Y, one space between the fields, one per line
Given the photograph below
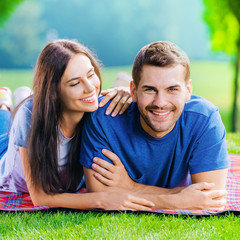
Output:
x=88 y=86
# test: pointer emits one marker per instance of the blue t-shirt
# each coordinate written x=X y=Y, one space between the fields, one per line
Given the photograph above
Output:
x=196 y=144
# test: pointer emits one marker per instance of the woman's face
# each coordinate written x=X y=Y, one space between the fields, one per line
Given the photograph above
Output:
x=79 y=86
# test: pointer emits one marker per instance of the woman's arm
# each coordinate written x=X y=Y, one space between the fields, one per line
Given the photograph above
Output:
x=120 y=91
x=121 y=100
x=107 y=201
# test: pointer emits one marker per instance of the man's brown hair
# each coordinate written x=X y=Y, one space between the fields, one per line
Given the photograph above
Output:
x=160 y=54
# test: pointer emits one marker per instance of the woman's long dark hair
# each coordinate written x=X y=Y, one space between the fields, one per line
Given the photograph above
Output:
x=46 y=114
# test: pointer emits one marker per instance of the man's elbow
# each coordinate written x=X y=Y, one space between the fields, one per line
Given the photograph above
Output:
x=91 y=187
x=92 y=184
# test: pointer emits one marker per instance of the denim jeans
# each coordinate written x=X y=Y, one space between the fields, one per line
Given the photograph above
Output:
x=5 y=124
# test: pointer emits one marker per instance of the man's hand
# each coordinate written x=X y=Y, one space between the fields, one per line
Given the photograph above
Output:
x=200 y=196
x=112 y=175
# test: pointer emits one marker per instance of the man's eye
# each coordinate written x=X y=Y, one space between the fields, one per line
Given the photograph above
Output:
x=149 y=90
x=172 y=89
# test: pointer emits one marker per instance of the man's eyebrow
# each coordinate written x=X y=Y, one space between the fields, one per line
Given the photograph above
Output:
x=148 y=86
x=175 y=86
x=75 y=78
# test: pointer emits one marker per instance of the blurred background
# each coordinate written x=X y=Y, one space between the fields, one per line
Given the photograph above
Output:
x=116 y=30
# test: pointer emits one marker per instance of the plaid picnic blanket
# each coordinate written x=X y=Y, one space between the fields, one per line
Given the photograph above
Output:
x=22 y=201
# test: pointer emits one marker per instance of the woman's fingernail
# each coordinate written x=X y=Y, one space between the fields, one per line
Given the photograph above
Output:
x=107 y=112
x=113 y=114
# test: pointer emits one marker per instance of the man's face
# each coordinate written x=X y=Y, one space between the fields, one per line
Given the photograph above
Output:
x=161 y=96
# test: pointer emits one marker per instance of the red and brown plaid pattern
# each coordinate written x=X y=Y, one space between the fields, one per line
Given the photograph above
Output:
x=22 y=202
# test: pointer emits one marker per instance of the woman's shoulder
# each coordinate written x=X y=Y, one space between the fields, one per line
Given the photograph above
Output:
x=27 y=104
x=24 y=112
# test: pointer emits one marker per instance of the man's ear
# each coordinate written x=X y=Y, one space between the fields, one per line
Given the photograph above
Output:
x=133 y=91
x=189 y=89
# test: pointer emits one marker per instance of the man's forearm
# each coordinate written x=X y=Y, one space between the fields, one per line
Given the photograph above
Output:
x=147 y=189
x=195 y=196
x=137 y=187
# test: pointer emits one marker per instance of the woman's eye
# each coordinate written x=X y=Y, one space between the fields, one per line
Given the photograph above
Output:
x=74 y=84
x=91 y=75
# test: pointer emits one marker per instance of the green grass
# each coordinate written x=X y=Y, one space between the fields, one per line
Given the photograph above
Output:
x=67 y=225
x=15 y=78
x=233 y=143
x=210 y=80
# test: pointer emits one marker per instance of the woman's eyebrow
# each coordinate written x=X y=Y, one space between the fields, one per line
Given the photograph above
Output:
x=75 y=78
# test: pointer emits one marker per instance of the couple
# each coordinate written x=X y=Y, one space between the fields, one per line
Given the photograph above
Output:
x=166 y=140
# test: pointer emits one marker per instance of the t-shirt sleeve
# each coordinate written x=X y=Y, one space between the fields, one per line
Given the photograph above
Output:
x=21 y=126
x=93 y=140
x=210 y=149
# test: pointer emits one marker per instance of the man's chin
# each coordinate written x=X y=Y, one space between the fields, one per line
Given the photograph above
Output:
x=160 y=130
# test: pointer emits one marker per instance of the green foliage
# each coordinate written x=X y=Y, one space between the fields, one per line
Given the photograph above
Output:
x=235 y=7
x=115 y=30
x=223 y=18
x=21 y=37
x=223 y=25
x=6 y=8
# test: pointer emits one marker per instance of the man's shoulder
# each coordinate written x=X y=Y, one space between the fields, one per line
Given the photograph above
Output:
x=100 y=115
x=200 y=106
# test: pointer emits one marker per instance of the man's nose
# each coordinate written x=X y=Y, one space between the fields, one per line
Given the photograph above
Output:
x=160 y=100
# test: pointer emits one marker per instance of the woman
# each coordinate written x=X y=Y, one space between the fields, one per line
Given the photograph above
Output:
x=43 y=151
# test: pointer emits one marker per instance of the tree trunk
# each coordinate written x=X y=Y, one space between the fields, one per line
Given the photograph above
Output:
x=235 y=89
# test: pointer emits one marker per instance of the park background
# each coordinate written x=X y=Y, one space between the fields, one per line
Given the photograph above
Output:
x=115 y=31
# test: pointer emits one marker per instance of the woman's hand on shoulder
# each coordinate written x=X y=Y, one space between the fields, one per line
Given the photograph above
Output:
x=121 y=100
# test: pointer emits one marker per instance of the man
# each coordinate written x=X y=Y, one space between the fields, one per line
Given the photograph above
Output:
x=167 y=140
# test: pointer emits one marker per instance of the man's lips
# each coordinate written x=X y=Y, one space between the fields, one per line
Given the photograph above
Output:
x=161 y=113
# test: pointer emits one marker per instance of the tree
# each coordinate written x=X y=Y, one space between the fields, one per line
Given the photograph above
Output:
x=22 y=37
x=223 y=18
x=6 y=8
